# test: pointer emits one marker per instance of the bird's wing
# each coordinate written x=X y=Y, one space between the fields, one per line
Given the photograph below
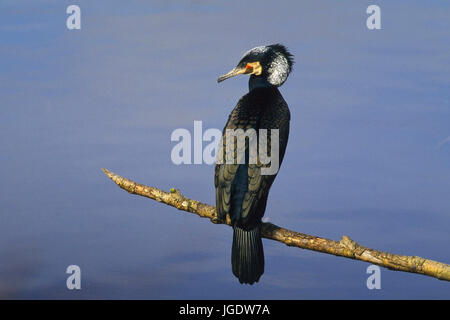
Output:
x=223 y=178
x=254 y=200
x=229 y=180
x=241 y=189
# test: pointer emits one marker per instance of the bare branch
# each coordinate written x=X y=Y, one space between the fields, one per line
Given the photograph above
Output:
x=346 y=247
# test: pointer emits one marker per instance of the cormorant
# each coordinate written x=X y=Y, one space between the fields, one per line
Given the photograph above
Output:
x=241 y=189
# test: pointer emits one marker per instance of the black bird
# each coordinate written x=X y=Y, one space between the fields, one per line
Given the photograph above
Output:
x=241 y=188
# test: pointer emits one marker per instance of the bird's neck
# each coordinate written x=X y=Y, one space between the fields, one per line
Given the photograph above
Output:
x=258 y=82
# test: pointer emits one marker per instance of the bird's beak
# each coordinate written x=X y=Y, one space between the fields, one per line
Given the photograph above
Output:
x=236 y=71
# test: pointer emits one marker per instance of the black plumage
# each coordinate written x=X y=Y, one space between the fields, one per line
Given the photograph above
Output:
x=241 y=189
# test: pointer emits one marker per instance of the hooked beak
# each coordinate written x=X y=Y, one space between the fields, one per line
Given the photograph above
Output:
x=236 y=71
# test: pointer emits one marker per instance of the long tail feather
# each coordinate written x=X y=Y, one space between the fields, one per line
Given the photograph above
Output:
x=247 y=255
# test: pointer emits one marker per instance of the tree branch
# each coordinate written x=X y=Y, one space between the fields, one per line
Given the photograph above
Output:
x=346 y=247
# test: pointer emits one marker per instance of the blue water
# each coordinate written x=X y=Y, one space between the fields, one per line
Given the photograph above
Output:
x=368 y=155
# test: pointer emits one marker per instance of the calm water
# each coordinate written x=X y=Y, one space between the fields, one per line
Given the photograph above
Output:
x=368 y=154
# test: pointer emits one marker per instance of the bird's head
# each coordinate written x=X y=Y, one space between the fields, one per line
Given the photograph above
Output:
x=271 y=64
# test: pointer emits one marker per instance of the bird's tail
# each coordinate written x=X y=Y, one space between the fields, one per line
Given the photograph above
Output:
x=247 y=255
